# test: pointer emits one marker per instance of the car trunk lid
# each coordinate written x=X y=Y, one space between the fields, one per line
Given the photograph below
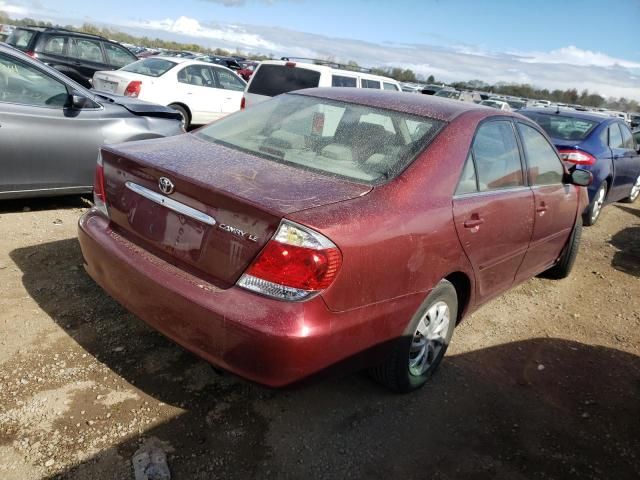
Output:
x=116 y=81
x=224 y=207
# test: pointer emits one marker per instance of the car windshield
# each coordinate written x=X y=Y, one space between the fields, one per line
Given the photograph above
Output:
x=563 y=127
x=447 y=94
x=152 y=67
x=365 y=144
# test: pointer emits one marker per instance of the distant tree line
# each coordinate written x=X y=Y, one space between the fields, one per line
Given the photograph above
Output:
x=569 y=96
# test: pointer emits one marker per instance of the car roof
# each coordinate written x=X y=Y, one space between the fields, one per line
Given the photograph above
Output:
x=60 y=30
x=593 y=116
x=330 y=69
x=423 y=105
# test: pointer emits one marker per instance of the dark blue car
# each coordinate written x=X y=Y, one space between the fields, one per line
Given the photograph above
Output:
x=604 y=145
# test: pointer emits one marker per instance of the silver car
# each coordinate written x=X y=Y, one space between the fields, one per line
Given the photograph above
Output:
x=51 y=128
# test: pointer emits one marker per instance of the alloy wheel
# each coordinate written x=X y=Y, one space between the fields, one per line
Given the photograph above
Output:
x=597 y=203
x=635 y=190
x=429 y=338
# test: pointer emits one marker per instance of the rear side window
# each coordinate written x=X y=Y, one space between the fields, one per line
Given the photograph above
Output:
x=390 y=86
x=198 y=75
x=468 y=181
x=20 y=38
x=152 y=67
x=497 y=156
x=544 y=165
x=54 y=45
x=342 y=81
x=118 y=56
x=615 y=137
x=366 y=83
x=272 y=80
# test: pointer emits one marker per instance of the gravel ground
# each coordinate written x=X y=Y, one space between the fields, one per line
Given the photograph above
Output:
x=542 y=382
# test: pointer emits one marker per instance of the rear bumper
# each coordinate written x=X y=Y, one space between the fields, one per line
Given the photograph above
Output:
x=268 y=341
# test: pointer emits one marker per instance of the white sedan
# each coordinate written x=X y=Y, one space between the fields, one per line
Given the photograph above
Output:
x=499 y=104
x=200 y=91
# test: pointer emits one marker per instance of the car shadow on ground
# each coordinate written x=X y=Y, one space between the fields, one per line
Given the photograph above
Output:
x=540 y=408
x=627 y=241
x=45 y=203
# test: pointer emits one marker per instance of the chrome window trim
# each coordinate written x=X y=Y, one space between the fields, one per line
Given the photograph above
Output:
x=171 y=204
x=494 y=192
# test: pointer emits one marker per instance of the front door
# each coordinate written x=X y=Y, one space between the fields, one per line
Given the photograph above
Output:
x=493 y=209
x=626 y=161
x=43 y=144
x=556 y=204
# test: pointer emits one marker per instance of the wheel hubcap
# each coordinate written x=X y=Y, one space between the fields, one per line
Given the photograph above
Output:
x=635 y=190
x=429 y=338
x=598 y=202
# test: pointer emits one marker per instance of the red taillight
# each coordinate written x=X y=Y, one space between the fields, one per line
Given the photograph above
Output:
x=295 y=264
x=133 y=89
x=577 y=157
x=297 y=267
x=243 y=103
x=99 y=193
x=290 y=64
x=32 y=54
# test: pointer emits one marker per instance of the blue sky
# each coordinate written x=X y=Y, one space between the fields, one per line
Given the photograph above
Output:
x=590 y=43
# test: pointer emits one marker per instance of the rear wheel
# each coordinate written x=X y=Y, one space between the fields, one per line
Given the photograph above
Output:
x=634 y=193
x=592 y=213
x=186 y=119
x=568 y=258
x=417 y=354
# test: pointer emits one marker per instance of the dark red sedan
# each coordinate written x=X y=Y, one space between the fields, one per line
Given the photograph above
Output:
x=330 y=224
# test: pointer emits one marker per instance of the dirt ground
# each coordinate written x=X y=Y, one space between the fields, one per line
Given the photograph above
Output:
x=543 y=382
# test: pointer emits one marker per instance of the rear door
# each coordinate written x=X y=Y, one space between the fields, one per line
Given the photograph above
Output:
x=86 y=57
x=493 y=208
x=42 y=144
x=52 y=50
x=556 y=204
x=196 y=88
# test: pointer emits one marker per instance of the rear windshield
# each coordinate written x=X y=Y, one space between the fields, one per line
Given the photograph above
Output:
x=561 y=127
x=152 y=67
x=272 y=80
x=20 y=38
x=364 y=144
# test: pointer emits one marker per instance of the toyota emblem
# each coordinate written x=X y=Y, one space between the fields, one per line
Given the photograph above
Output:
x=165 y=185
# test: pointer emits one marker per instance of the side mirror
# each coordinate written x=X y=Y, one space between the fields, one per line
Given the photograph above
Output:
x=582 y=178
x=77 y=101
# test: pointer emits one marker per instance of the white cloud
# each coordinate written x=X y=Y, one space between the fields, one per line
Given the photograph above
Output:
x=13 y=10
x=573 y=55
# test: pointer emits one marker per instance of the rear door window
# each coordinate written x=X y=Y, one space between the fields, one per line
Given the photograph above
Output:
x=86 y=49
x=366 y=83
x=54 y=45
x=118 y=56
x=272 y=80
x=615 y=136
x=390 y=86
x=545 y=167
x=343 y=81
x=497 y=156
x=198 y=75
x=468 y=181
x=627 y=138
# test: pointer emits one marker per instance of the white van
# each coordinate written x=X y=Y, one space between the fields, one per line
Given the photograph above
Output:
x=273 y=77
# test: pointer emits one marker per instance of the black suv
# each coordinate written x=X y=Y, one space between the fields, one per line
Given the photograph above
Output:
x=77 y=55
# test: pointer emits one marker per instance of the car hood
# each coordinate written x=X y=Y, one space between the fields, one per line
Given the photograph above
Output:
x=138 y=107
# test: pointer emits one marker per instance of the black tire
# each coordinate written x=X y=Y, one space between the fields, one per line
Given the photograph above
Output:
x=594 y=209
x=563 y=268
x=186 y=118
x=395 y=372
x=634 y=193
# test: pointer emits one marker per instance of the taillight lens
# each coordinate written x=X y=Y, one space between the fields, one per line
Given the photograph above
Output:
x=295 y=264
x=32 y=54
x=133 y=89
x=99 y=194
x=243 y=103
x=577 y=157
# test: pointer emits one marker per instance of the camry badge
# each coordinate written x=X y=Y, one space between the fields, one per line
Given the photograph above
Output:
x=165 y=185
